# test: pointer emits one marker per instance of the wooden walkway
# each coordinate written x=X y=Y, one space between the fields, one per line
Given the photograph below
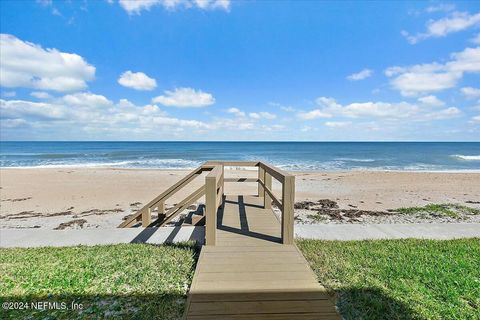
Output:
x=250 y=274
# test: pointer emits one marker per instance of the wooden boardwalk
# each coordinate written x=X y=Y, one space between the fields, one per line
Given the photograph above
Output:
x=250 y=274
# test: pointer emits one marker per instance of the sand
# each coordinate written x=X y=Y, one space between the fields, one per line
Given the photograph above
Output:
x=101 y=198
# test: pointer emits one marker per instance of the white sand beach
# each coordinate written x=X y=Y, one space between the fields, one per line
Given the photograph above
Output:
x=101 y=198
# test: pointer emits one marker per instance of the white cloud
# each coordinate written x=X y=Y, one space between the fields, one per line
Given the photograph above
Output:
x=432 y=77
x=20 y=109
x=337 y=124
x=253 y=115
x=137 y=6
x=378 y=109
x=475 y=119
x=455 y=22
x=137 y=81
x=86 y=99
x=27 y=65
x=442 y=114
x=470 y=92
x=365 y=73
x=184 y=98
x=262 y=115
x=93 y=114
x=313 y=114
x=40 y=94
x=236 y=112
x=431 y=100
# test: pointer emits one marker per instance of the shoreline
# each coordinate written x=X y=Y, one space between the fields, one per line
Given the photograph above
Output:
x=239 y=169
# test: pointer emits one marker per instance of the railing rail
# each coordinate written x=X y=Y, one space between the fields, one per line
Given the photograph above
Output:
x=145 y=213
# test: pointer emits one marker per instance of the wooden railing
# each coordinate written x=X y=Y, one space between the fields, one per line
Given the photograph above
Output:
x=145 y=213
x=264 y=180
x=213 y=189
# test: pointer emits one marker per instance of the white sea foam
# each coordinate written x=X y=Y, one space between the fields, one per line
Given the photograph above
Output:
x=468 y=158
x=355 y=159
x=137 y=163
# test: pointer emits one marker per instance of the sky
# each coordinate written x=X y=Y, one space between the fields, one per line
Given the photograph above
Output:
x=240 y=70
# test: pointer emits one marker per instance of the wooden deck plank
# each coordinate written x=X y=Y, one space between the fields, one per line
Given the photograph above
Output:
x=259 y=307
x=249 y=274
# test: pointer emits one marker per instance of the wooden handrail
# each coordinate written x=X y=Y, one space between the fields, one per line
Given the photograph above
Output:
x=182 y=205
x=145 y=212
x=274 y=172
x=233 y=163
x=213 y=189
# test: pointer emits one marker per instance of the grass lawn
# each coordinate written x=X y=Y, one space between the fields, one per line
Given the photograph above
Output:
x=128 y=281
x=400 y=279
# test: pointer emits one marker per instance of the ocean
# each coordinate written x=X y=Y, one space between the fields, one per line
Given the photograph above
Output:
x=296 y=156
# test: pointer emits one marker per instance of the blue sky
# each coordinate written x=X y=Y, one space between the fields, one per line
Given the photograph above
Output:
x=231 y=70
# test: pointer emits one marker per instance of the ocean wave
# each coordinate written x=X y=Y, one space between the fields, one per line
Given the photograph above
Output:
x=137 y=163
x=468 y=158
x=355 y=159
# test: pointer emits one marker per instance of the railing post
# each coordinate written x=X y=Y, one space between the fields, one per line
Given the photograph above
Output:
x=261 y=177
x=210 y=210
x=267 y=201
x=288 y=201
x=161 y=209
x=146 y=217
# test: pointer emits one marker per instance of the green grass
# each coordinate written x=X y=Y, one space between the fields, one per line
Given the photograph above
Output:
x=400 y=279
x=446 y=209
x=125 y=281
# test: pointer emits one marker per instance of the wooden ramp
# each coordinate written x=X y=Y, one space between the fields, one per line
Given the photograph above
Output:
x=250 y=274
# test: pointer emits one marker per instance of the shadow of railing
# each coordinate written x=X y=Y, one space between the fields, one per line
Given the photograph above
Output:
x=244 y=226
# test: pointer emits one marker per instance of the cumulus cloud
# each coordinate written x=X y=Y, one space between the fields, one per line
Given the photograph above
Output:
x=236 y=112
x=137 y=6
x=185 y=98
x=470 y=92
x=313 y=114
x=365 y=73
x=376 y=109
x=455 y=22
x=28 y=65
x=27 y=110
x=447 y=113
x=432 y=77
x=92 y=114
x=137 y=81
x=262 y=115
x=431 y=100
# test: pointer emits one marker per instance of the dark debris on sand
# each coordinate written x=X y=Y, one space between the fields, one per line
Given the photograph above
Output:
x=73 y=223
